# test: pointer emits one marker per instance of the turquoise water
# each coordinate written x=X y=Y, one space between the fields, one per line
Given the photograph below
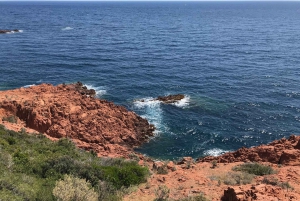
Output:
x=236 y=62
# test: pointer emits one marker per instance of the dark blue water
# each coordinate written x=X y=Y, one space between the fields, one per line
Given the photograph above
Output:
x=238 y=64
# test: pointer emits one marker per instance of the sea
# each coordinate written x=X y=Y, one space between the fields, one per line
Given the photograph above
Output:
x=237 y=63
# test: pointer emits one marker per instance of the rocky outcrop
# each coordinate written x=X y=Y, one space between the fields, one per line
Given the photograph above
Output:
x=167 y=99
x=283 y=151
x=261 y=192
x=170 y=98
x=8 y=31
x=72 y=111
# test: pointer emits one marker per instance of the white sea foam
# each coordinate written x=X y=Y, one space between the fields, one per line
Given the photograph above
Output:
x=29 y=85
x=100 y=91
x=183 y=102
x=67 y=28
x=11 y=32
x=153 y=113
x=147 y=102
x=214 y=152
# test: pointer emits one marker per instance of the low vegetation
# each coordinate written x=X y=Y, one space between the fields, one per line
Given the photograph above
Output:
x=234 y=178
x=255 y=168
x=162 y=194
x=33 y=168
x=274 y=182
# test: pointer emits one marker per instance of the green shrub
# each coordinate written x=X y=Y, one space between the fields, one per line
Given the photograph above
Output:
x=162 y=193
x=200 y=197
x=275 y=182
x=254 y=168
x=238 y=178
x=45 y=162
x=11 y=119
x=74 y=189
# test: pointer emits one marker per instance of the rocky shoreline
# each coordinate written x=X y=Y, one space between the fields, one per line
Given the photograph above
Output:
x=72 y=111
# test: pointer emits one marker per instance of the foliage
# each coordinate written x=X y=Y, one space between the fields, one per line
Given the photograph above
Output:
x=275 y=182
x=74 y=189
x=214 y=164
x=162 y=193
x=31 y=165
x=254 y=168
x=11 y=119
x=238 y=178
x=200 y=197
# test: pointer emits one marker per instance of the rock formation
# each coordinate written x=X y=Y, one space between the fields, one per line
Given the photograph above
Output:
x=72 y=111
x=283 y=151
x=8 y=31
x=170 y=98
x=167 y=99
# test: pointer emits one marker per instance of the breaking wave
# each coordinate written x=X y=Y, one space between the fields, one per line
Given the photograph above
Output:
x=152 y=112
x=214 y=152
x=67 y=28
x=29 y=85
x=183 y=102
x=100 y=91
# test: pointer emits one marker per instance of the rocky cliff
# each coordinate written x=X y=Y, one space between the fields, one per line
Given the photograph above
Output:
x=72 y=111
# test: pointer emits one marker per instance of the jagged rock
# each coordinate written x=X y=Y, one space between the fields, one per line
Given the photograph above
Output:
x=72 y=111
x=170 y=98
x=283 y=151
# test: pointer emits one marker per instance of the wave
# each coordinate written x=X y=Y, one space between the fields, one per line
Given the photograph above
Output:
x=29 y=85
x=100 y=91
x=183 y=103
x=153 y=113
x=12 y=32
x=67 y=28
x=214 y=152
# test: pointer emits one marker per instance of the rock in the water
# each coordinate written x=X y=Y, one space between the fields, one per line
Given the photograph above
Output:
x=8 y=31
x=171 y=98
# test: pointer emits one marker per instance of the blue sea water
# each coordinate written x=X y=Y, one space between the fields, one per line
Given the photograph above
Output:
x=237 y=63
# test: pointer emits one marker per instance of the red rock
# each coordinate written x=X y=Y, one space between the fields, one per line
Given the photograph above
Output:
x=283 y=151
x=72 y=111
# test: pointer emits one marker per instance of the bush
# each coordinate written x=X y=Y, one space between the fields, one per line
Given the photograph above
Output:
x=162 y=193
x=74 y=189
x=234 y=178
x=11 y=119
x=45 y=162
x=275 y=182
x=254 y=168
x=200 y=197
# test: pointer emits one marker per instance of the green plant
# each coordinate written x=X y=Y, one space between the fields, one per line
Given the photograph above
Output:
x=11 y=119
x=31 y=164
x=254 y=168
x=234 y=178
x=199 y=197
x=74 y=189
x=162 y=193
x=214 y=164
x=275 y=182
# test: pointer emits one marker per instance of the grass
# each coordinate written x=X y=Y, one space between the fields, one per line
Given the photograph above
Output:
x=32 y=164
x=11 y=119
x=255 y=168
x=234 y=178
x=275 y=182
